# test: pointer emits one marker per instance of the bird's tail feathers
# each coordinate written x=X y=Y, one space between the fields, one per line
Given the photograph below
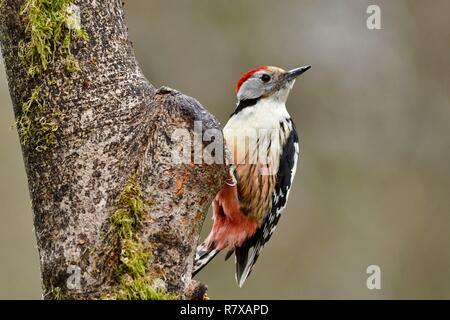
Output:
x=205 y=253
x=245 y=261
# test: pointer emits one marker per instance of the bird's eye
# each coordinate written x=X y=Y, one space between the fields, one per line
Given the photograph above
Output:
x=265 y=78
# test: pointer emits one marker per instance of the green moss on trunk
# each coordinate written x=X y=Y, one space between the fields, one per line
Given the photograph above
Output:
x=37 y=123
x=50 y=27
x=133 y=273
x=54 y=294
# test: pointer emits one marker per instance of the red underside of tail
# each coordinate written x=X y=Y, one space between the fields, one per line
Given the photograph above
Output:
x=231 y=226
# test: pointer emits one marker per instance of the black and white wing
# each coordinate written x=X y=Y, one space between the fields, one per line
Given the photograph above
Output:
x=285 y=175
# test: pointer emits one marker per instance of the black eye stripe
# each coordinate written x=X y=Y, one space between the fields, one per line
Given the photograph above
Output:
x=265 y=78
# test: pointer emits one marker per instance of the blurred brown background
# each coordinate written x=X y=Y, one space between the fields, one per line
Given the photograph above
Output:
x=373 y=185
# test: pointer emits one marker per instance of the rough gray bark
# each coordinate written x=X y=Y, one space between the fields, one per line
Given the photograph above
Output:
x=115 y=125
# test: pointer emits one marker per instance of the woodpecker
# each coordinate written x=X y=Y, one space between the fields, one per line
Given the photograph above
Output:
x=263 y=142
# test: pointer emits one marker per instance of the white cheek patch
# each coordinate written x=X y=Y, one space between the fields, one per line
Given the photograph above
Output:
x=250 y=89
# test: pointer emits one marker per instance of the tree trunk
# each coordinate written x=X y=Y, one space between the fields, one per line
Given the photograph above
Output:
x=99 y=153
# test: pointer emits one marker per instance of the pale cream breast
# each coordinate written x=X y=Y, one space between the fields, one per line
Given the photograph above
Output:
x=255 y=139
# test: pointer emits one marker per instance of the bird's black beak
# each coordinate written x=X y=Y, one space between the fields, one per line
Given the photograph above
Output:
x=294 y=73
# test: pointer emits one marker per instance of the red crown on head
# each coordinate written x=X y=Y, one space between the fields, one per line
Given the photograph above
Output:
x=248 y=75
